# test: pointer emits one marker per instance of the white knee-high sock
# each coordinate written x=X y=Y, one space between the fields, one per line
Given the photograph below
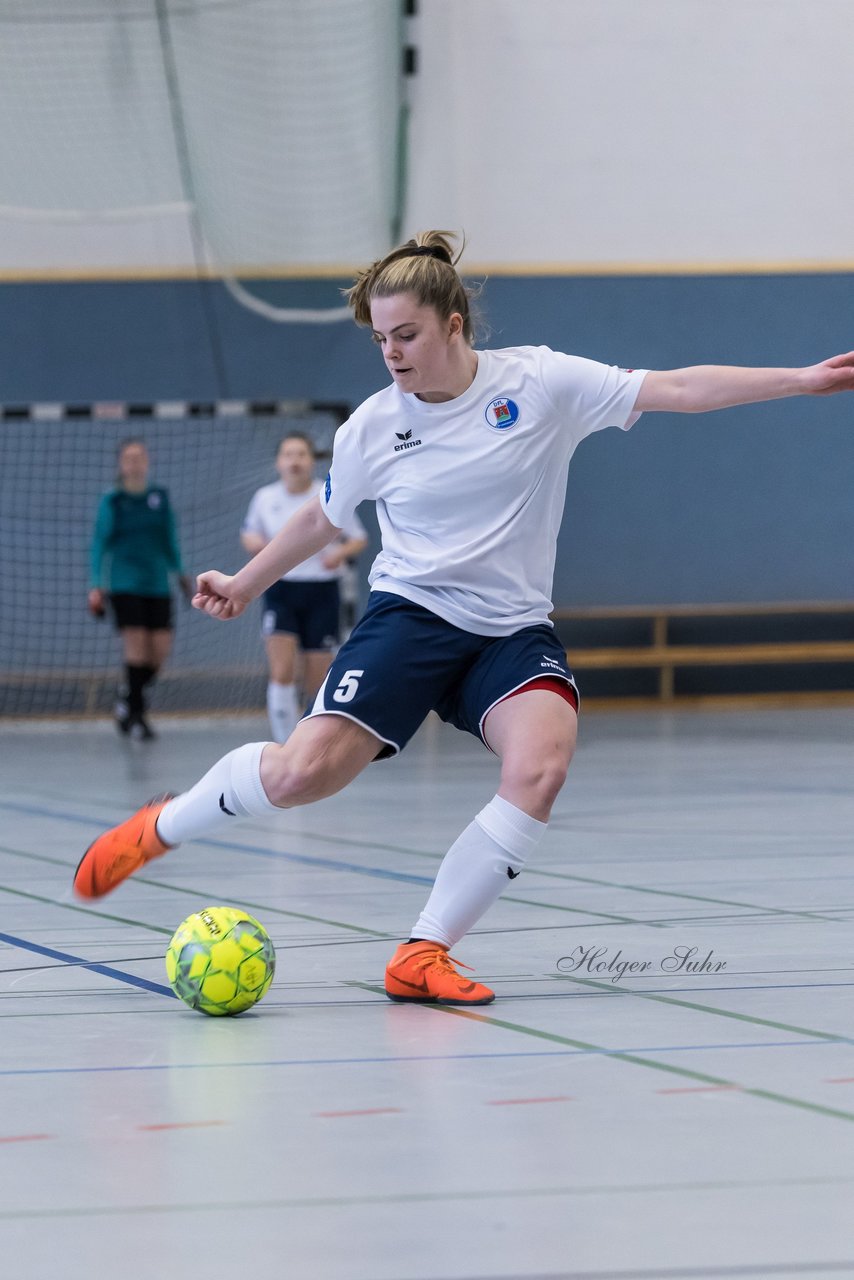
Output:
x=231 y=789
x=282 y=709
x=478 y=866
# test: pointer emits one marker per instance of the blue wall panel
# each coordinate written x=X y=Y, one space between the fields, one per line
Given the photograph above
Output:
x=747 y=504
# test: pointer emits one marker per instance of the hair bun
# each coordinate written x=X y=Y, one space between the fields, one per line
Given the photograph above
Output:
x=431 y=251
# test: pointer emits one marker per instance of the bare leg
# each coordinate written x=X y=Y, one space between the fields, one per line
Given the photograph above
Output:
x=315 y=669
x=535 y=735
x=282 y=657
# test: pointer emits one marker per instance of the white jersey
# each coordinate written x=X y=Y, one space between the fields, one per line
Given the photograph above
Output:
x=272 y=506
x=470 y=492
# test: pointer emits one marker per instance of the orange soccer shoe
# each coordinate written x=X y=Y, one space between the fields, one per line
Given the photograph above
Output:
x=423 y=971
x=120 y=851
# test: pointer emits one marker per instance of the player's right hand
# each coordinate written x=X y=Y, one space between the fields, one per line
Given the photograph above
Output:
x=96 y=604
x=215 y=595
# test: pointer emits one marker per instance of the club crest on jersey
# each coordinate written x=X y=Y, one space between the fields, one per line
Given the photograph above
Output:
x=154 y=500
x=502 y=413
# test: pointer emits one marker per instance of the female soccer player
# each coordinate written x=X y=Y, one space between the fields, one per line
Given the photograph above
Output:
x=301 y=610
x=134 y=551
x=466 y=457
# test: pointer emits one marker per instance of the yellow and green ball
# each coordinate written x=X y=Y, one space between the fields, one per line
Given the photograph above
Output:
x=220 y=961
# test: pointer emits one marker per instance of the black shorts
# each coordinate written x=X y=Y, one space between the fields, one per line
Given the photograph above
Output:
x=402 y=661
x=308 y=610
x=152 y=613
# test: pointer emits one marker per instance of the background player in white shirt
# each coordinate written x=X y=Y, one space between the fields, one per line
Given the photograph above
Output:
x=466 y=456
x=302 y=611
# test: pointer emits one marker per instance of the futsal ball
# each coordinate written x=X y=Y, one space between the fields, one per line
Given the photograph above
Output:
x=220 y=961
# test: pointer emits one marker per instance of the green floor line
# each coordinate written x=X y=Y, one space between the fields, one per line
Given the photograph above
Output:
x=584 y=911
x=679 y=893
x=609 y=989
x=86 y=911
x=425 y=1197
x=577 y=879
x=635 y=1059
x=279 y=911
x=202 y=896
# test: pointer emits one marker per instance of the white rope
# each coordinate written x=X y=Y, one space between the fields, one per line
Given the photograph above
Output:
x=284 y=315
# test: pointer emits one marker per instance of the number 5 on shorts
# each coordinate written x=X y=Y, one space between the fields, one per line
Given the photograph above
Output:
x=348 y=686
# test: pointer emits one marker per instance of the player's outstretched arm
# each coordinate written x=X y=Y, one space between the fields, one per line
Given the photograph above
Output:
x=700 y=388
x=225 y=596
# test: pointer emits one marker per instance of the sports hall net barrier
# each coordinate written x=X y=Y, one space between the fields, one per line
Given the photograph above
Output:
x=57 y=461
x=240 y=138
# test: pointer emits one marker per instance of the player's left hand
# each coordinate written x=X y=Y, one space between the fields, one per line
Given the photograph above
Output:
x=835 y=374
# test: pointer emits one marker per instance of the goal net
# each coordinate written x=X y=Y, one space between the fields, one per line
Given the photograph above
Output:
x=55 y=658
x=240 y=138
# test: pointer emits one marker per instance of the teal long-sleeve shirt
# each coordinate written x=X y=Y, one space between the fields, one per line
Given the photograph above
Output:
x=135 y=543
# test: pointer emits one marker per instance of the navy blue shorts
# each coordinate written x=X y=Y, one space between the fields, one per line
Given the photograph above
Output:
x=308 y=610
x=152 y=613
x=402 y=661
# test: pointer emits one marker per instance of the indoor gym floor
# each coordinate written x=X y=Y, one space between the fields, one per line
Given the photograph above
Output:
x=658 y=1124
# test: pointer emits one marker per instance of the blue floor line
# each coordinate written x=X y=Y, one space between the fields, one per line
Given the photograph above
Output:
x=106 y=970
x=426 y=1057
x=276 y=854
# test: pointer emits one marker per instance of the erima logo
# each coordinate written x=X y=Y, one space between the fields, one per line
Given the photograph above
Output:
x=550 y=662
x=407 y=435
x=408 y=442
x=230 y=812
x=511 y=873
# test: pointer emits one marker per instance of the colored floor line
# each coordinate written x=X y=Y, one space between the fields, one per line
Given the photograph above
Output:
x=277 y=855
x=368 y=1111
x=586 y=911
x=408 y=878
x=523 y=1102
x=563 y=875
x=636 y=1060
x=206 y=896
x=232 y=1206
x=333 y=864
x=180 y=1124
x=105 y=970
x=694 y=1005
x=86 y=911
x=689 y=897
x=405 y=877
x=388 y=1060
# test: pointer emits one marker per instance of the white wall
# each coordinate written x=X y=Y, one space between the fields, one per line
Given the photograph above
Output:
x=568 y=133
x=631 y=132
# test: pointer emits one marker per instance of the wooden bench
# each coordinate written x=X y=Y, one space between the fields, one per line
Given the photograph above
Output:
x=664 y=653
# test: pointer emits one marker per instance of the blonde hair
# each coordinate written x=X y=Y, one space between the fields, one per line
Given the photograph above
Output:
x=425 y=267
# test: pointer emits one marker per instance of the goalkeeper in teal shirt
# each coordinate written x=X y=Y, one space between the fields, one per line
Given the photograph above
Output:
x=134 y=555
